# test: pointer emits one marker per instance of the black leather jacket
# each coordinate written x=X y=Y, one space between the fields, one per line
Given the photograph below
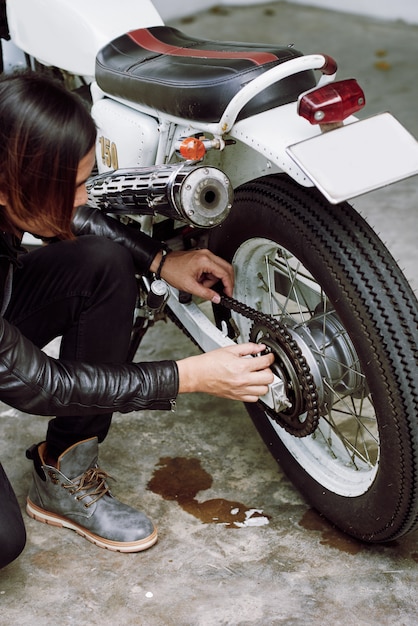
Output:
x=35 y=383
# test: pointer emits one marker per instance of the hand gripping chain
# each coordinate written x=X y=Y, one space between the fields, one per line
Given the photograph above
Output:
x=298 y=423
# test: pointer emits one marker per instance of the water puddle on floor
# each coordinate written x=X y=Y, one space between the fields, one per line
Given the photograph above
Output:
x=401 y=552
x=331 y=536
x=181 y=479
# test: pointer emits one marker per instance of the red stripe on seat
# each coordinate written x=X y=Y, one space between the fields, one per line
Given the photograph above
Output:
x=146 y=40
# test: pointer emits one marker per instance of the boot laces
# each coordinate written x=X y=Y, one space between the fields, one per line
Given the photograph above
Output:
x=92 y=483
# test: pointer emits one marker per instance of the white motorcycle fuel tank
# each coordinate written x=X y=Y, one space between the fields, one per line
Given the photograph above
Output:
x=69 y=33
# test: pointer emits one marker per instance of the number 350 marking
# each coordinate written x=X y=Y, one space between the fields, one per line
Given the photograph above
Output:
x=109 y=153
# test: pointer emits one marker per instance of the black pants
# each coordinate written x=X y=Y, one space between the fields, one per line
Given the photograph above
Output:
x=12 y=528
x=84 y=291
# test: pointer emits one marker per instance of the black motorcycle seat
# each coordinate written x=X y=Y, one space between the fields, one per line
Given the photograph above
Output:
x=191 y=78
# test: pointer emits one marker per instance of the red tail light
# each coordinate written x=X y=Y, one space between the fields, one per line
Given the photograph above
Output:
x=332 y=103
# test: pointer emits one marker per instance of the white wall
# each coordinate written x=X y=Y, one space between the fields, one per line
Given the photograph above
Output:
x=172 y=9
x=406 y=10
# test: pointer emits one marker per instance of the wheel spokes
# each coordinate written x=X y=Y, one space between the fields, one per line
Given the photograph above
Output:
x=287 y=291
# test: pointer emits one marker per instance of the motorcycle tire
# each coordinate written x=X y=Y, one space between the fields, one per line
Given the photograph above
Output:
x=324 y=274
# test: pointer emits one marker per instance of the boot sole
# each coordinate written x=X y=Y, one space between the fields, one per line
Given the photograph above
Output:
x=46 y=517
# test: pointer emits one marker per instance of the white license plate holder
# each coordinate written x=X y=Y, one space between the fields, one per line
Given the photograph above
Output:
x=358 y=158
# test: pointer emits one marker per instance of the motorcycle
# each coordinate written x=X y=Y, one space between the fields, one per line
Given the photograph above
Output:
x=254 y=152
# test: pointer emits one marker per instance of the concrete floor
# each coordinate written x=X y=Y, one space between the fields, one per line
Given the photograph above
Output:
x=295 y=569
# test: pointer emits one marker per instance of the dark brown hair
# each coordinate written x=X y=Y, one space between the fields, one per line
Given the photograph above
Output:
x=44 y=133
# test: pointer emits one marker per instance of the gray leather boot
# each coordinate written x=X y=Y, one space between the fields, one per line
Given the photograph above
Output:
x=76 y=495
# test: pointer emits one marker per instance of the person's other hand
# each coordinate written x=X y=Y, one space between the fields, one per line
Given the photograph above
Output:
x=195 y=272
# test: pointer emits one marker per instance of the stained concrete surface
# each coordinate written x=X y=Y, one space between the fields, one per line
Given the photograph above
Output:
x=294 y=570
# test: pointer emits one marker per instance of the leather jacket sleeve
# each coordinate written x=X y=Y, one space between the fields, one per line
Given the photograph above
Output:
x=91 y=221
x=35 y=383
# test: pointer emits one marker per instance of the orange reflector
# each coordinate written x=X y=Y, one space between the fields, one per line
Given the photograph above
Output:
x=192 y=149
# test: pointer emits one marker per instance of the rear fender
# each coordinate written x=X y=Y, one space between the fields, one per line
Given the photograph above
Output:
x=268 y=135
x=349 y=161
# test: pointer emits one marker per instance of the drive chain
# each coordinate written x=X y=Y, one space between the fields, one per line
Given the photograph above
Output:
x=295 y=425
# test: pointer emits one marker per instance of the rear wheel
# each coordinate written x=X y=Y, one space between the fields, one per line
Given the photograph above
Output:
x=349 y=438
